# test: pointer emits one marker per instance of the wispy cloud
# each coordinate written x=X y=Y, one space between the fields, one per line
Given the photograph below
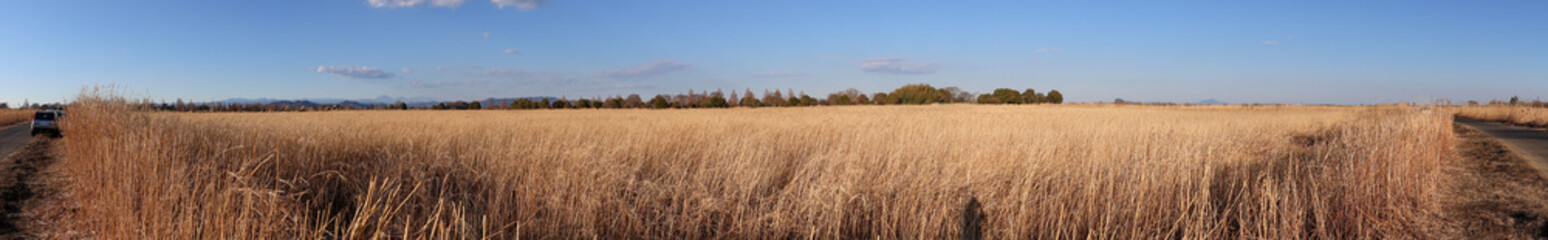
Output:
x=357 y=72
x=654 y=68
x=896 y=66
x=456 y=67
x=414 y=3
x=524 y=5
x=501 y=73
x=485 y=34
x=1270 y=42
x=406 y=71
x=444 y=83
x=511 y=51
x=1047 y=50
x=780 y=74
x=631 y=86
x=546 y=79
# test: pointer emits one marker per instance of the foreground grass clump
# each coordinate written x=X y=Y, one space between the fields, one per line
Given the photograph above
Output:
x=834 y=172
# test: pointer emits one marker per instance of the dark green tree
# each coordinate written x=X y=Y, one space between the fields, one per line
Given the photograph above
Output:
x=988 y=99
x=659 y=102
x=749 y=101
x=1006 y=95
x=714 y=102
x=843 y=100
x=1031 y=96
x=917 y=94
x=1055 y=97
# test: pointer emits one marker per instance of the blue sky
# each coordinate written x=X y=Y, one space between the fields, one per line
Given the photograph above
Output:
x=1341 y=52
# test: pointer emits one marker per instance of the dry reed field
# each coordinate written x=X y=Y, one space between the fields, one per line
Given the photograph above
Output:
x=1060 y=172
x=13 y=116
x=1519 y=115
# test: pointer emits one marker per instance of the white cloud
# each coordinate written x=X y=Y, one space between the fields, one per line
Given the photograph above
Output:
x=414 y=3
x=354 y=72
x=444 y=83
x=406 y=71
x=654 y=68
x=896 y=66
x=486 y=34
x=510 y=51
x=524 y=5
x=779 y=74
x=1270 y=42
x=1045 y=50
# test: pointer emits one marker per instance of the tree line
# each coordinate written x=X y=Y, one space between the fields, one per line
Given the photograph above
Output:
x=912 y=94
x=908 y=94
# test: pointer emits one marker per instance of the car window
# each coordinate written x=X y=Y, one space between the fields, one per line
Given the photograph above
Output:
x=43 y=116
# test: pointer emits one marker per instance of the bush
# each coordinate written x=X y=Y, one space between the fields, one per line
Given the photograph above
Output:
x=917 y=94
x=659 y=102
x=843 y=100
x=1006 y=95
x=714 y=102
x=1031 y=96
x=882 y=99
x=988 y=99
x=750 y=101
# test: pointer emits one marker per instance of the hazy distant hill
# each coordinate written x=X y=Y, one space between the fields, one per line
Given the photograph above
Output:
x=1211 y=101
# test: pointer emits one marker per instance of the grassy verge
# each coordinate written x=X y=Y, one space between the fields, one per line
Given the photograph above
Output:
x=12 y=116
x=1518 y=115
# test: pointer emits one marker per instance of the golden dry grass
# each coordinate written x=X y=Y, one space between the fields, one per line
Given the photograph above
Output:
x=1519 y=115
x=13 y=116
x=829 y=172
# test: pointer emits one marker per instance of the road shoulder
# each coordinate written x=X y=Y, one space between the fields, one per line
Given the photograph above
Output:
x=1495 y=193
x=28 y=189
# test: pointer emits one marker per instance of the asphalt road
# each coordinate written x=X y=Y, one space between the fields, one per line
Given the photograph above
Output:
x=13 y=137
x=1530 y=143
